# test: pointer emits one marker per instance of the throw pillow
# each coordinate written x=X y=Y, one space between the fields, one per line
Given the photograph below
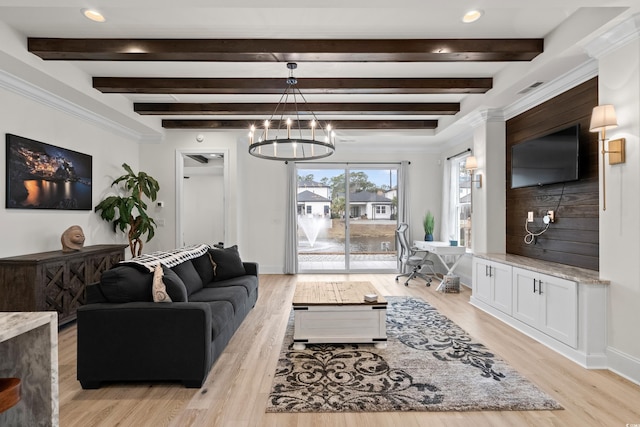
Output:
x=204 y=266
x=175 y=286
x=159 y=288
x=228 y=263
x=189 y=276
x=122 y=284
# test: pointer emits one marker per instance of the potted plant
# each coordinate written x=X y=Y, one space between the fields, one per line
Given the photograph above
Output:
x=428 y=224
x=130 y=210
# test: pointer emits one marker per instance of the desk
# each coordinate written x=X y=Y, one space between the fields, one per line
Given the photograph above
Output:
x=441 y=249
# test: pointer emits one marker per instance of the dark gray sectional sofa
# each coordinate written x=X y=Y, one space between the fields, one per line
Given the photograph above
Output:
x=124 y=336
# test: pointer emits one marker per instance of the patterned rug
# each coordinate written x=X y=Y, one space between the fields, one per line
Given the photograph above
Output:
x=430 y=364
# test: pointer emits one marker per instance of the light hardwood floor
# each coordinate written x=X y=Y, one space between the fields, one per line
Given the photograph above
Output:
x=236 y=390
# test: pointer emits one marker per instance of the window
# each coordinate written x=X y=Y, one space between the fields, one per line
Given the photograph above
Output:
x=381 y=209
x=309 y=210
x=460 y=203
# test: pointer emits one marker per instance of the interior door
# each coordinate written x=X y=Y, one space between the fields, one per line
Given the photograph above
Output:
x=201 y=194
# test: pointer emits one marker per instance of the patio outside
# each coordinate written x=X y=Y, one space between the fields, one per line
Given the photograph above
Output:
x=321 y=244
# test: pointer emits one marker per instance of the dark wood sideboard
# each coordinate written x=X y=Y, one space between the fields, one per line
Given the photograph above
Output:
x=54 y=281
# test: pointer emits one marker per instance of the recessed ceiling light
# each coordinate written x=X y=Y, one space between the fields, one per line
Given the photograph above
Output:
x=93 y=15
x=472 y=16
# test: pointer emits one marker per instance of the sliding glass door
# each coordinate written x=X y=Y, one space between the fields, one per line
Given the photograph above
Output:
x=346 y=217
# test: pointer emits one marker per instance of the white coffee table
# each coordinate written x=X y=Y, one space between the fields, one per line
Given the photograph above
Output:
x=336 y=312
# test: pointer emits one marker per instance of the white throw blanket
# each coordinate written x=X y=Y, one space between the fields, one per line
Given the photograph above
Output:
x=169 y=258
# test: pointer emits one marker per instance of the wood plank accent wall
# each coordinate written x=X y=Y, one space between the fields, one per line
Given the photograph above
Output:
x=573 y=238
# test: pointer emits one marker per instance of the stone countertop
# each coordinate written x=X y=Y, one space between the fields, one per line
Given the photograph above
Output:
x=576 y=274
x=13 y=324
x=29 y=351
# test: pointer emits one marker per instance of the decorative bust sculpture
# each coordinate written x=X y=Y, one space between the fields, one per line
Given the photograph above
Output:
x=72 y=239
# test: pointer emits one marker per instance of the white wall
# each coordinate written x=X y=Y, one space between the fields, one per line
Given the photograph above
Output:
x=159 y=160
x=489 y=211
x=26 y=231
x=619 y=84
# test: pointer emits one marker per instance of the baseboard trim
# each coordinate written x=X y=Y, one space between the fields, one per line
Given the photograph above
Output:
x=588 y=361
x=624 y=365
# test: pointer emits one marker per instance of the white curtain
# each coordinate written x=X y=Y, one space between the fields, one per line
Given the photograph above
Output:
x=403 y=199
x=291 y=226
x=448 y=212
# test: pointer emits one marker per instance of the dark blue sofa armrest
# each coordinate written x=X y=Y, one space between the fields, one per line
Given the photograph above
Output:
x=144 y=341
x=251 y=268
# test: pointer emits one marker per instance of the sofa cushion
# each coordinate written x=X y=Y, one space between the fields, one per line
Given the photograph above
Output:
x=228 y=263
x=236 y=295
x=250 y=283
x=159 y=289
x=204 y=266
x=175 y=286
x=187 y=272
x=123 y=283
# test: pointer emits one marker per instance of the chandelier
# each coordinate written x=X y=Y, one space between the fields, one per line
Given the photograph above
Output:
x=275 y=140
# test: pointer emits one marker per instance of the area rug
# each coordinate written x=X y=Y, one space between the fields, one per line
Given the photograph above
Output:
x=430 y=364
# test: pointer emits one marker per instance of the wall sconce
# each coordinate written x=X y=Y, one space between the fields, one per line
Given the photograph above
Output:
x=603 y=117
x=471 y=164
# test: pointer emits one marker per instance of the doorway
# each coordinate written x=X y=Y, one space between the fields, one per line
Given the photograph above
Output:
x=347 y=217
x=201 y=192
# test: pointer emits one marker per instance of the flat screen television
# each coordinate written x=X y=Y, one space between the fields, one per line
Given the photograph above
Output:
x=549 y=159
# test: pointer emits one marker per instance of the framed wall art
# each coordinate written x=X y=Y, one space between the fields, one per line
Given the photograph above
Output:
x=43 y=176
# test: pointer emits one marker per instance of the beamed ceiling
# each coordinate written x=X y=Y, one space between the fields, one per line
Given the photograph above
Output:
x=366 y=66
x=277 y=50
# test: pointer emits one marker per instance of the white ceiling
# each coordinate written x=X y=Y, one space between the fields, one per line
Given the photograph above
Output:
x=566 y=25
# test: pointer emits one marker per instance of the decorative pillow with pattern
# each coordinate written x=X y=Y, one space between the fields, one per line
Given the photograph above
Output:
x=159 y=289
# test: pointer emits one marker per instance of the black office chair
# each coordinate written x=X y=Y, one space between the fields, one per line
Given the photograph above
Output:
x=413 y=258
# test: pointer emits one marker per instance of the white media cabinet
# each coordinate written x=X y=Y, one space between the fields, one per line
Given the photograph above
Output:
x=561 y=306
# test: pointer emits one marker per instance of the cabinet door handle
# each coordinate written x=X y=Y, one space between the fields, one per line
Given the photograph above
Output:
x=534 y=286
x=490 y=273
x=540 y=287
x=486 y=269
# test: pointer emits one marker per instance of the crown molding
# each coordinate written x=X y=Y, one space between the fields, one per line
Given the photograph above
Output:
x=615 y=38
x=28 y=90
x=573 y=78
x=481 y=117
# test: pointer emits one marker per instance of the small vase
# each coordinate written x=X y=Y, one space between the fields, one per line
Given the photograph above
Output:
x=428 y=237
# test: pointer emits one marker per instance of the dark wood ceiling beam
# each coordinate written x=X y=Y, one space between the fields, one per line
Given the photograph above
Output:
x=337 y=124
x=198 y=158
x=254 y=86
x=413 y=108
x=287 y=50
